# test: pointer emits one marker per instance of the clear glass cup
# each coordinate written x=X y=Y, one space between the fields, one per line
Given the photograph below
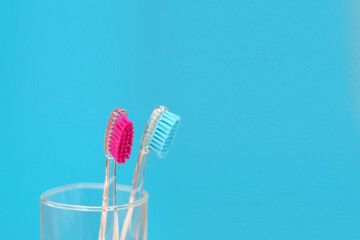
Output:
x=74 y=212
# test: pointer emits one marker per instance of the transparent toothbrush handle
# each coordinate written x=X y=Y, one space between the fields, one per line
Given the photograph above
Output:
x=141 y=185
x=144 y=224
x=127 y=222
x=110 y=178
x=116 y=221
x=105 y=203
x=144 y=214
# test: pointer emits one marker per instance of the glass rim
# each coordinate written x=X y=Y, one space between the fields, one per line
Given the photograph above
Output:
x=119 y=187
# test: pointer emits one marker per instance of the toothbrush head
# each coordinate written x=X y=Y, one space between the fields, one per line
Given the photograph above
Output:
x=160 y=131
x=119 y=136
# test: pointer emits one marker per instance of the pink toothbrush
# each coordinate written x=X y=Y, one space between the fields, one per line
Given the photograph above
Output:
x=117 y=145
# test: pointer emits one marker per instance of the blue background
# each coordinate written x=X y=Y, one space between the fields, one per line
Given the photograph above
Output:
x=268 y=146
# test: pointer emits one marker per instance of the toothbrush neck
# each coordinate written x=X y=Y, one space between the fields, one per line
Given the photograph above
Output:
x=140 y=168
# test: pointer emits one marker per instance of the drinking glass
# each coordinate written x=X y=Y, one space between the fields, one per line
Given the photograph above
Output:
x=74 y=212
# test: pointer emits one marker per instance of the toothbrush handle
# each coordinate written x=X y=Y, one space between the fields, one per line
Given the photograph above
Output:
x=142 y=177
x=144 y=216
x=116 y=222
x=145 y=222
x=127 y=222
x=104 y=203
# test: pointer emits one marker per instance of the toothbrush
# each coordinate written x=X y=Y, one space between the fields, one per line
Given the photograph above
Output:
x=118 y=141
x=158 y=136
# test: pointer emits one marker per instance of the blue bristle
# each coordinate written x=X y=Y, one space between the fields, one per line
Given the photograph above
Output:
x=164 y=133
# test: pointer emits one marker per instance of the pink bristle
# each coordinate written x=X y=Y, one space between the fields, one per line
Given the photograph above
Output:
x=117 y=130
x=114 y=137
x=124 y=118
x=112 y=152
x=119 y=125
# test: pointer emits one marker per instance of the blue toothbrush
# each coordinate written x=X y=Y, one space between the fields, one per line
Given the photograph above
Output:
x=158 y=137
